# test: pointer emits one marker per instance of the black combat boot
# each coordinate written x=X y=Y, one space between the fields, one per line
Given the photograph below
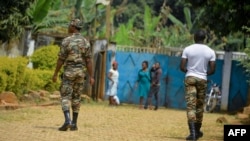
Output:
x=192 y=131
x=67 y=123
x=74 y=122
x=199 y=134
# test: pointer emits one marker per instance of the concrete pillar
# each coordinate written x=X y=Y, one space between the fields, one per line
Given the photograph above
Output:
x=226 y=74
x=25 y=40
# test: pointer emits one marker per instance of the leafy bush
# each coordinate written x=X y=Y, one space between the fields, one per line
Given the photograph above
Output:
x=36 y=79
x=20 y=74
x=12 y=72
x=45 y=57
x=15 y=76
x=246 y=62
x=3 y=83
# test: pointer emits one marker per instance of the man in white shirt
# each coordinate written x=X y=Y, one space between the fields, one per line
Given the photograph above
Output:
x=198 y=61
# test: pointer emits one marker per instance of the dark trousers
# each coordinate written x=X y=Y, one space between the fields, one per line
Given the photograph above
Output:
x=154 y=91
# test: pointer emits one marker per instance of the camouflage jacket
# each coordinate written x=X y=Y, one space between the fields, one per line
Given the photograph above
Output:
x=73 y=50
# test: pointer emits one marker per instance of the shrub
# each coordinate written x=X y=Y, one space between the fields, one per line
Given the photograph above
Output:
x=39 y=79
x=15 y=76
x=20 y=74
x=246 y=62
x=12 y=71
x=45 y=57
x=3 y=83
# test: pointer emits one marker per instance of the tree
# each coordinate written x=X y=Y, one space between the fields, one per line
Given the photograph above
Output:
x=129 y=8
x=223 y=17
x=38 y=10
x=55 y=17
x=12 y=18
x=246 y=61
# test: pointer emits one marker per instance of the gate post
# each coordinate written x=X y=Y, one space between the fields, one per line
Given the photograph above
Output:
x=226 y=74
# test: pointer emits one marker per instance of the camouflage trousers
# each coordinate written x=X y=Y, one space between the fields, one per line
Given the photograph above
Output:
x=71 y=89
x=195 y=95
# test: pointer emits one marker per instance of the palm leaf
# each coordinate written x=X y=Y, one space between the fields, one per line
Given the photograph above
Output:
x=175 y=20
x=39 y=9
x=187 y=14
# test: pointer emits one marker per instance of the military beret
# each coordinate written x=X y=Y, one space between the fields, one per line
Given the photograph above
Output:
x=77 y=23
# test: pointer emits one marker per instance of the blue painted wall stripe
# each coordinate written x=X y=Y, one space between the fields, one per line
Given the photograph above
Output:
x=172 y=88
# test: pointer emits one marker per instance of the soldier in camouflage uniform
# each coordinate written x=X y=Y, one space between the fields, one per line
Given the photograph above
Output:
x=74 y=55
x=196 y=59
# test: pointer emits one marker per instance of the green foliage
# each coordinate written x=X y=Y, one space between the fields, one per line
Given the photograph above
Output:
x=77 y=8
x=20 y=74
x=56 y=5
x=13 y=18
x=178 y=34
x=16 y=77
x=153 y=35
x=187 y=14
x=44 y=62
x=127 y=10
x=223 y=17
x=39 y=79
x=9 y=67
x=3 y=81
x=45 y=16
x=246 y=62
x=186 y=26
x=97 y=22
x=126 y=34
x=39 y=10
x=45 y=57
x=57 y=15
x=55 y=22
x=150 y=25
x=12 y=72
x=173 y=36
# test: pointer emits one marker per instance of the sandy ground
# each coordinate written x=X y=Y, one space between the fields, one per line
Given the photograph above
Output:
x=100 y=122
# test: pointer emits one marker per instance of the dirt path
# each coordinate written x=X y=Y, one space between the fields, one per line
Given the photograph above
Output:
x=99 y=122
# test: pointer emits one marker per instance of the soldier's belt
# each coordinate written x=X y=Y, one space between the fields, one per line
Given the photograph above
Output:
x=75 y=65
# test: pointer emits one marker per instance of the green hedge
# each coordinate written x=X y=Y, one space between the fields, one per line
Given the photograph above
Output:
x=15 y=76
x=12 y=71
x=39 y=79
x=45 y=57
x=3 y=81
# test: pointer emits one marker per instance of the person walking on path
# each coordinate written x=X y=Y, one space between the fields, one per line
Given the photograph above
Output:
x=198 y=61
x=113 y=77
x=143 y=81
x=155 y=87
x=74 y=55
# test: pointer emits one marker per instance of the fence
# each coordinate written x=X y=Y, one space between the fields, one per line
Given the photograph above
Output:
x=172 y=90
x=171 y=51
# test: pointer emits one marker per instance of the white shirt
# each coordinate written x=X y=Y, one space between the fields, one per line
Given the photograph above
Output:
x=115 y=75
x=112 y=90
x=198 y=56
